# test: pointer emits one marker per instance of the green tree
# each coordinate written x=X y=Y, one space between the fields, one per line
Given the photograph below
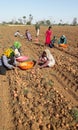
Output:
x=48 y=22
x=20 y=20
x=74 y=21
x=24 y=19
x=30 y=18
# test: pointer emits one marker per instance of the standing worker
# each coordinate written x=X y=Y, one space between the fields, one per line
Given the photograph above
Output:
x=37 y=28
x=48 y=36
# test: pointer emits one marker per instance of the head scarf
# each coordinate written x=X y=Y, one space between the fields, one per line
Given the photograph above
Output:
x=63 y=36
x=50 y=58
x=48 y=53
x=9 y=52
x=17 y=44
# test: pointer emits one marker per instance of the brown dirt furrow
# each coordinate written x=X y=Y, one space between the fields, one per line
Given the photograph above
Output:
x=40 y=99
x=5 y=109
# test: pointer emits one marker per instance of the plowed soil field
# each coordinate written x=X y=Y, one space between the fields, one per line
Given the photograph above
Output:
x=40 y=99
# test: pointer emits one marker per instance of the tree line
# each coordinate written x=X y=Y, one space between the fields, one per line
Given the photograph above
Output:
x=28 y=21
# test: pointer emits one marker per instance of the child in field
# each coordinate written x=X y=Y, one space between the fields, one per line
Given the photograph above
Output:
x=52 y=42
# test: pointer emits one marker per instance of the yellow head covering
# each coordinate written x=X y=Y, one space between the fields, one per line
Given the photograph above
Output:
x=9 y=52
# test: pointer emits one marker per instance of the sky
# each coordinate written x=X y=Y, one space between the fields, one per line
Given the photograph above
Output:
x=54 y=10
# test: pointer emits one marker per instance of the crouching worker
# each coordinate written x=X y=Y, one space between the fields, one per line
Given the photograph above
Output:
x=7 y=61
x=28 y=35
x=46 y=59
x=17 y=48
x=52 y=42
x=17 y=34
x=62 y=42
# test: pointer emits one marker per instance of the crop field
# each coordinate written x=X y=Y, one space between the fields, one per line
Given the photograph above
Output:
x=40 y=99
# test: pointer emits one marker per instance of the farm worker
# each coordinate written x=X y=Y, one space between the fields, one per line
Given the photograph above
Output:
x=48 y=36
x=7 y=61
x=37 y=28
x=17 y=33
x=28 y=35
x=62 y=40
x=17 y=48
x=52 y=42
x=46 y=59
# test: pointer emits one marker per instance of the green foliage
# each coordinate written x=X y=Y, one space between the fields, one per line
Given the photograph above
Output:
x=74 y=113
x=51 y=83
x=25 y=92
x=74 y=23
x=28 y=23
x=48 y=22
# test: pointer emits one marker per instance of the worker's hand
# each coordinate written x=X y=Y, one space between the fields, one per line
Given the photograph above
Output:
x=41 y=67
x=17 y=64
x=13 y=67
x=16 y=70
